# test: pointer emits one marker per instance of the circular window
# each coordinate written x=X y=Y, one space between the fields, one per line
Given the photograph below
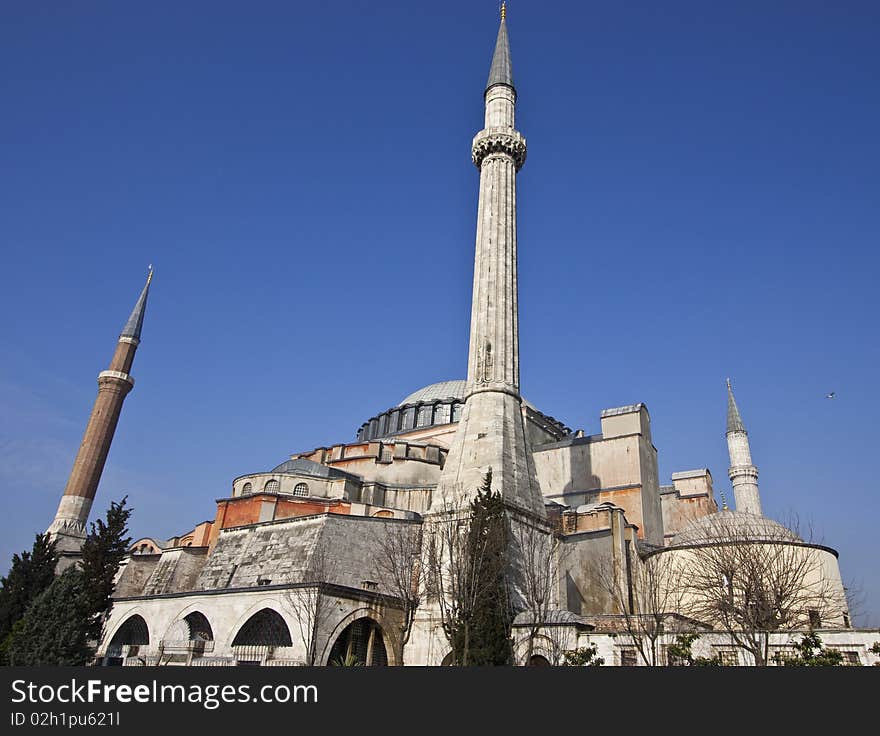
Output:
x=301 y=489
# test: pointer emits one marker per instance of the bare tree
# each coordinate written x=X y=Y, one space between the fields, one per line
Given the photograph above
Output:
x=399 y=565
x=310 y=602
x=538 y=552
x=750 y=582
x=647 y=593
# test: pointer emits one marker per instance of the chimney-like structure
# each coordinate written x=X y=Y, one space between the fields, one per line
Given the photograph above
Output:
x=743 y=474
x=491 y=434
x=69 y=526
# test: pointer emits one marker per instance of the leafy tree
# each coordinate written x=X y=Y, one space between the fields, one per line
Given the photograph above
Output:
x=680 y=653
x=809 y=652
x=105 y=546
x=31 y=573
x=54 y=630
x=583 y=657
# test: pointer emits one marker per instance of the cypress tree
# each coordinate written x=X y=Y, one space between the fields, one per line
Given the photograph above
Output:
x=31 y=573
x=54 y=630
x=105 y=546
x=63 y=624
x=490 y=642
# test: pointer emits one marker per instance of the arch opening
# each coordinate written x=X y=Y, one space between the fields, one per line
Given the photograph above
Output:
x=360 y=643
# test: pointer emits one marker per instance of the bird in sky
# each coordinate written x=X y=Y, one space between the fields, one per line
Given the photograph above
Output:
x=830 y=396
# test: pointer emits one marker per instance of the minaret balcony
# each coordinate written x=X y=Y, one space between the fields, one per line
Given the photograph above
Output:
x=499 y=140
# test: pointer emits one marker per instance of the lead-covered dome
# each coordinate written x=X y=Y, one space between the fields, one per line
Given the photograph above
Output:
x=435 y=405
x=733 y=526
x=439 y=390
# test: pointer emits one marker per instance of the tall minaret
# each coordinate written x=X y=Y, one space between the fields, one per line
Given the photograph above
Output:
x=69 y=526
x=491 y=432
x=743 y=475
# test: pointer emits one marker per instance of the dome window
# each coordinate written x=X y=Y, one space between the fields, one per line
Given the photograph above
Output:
x=272 y=486
x=301 y=489
x=425 y=416
x=246 y=489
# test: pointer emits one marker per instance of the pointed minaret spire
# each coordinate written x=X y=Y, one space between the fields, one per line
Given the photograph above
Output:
x=135 y=322
x=69 y=526
x=501 y=71
x=491 y=434
x=734 y=420
x=742 y=473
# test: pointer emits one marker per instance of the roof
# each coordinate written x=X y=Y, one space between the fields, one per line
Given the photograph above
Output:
x=135 y=322
x=302 y=466
x=444 y=390
x=734 y=420
x=733 y=526
x=436 y=392
x=501 y=71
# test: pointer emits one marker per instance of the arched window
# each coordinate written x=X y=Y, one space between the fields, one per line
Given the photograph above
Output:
x=301 y=489
x=265 y=628
x=133 y=633
x=199 y=627
x=246 y=489
x=271 y=486
x=360 y=642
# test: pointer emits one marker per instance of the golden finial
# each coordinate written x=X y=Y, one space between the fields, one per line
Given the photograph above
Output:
x=503 y=11
x=150 y=274
x=723 y=501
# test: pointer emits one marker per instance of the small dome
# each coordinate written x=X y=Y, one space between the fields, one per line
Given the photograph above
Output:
x=302 y=466
x=436 y=392
x=725 y=526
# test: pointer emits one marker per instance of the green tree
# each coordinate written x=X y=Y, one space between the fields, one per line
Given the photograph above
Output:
x=31 y=573
x=488 y=537
x=63 y=624
x=468 y=559
x=105 y=547
x=54 y=630
x=809 y=652
x=680 y=653
x=583 y=657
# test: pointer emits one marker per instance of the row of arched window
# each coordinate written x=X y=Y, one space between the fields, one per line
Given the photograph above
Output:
x=273 y=486
x=361 y=642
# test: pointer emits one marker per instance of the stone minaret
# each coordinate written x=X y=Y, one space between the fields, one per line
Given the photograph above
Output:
x=743 y=475
x=69 y=526
x=491 y=432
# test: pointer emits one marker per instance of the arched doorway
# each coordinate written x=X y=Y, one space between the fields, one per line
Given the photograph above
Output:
x=259 y=635
x=360 y=643
x=132 y=634
x=538 y=660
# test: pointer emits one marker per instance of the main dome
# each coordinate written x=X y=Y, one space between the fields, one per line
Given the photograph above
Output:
x=439 y=390
x=438 y=404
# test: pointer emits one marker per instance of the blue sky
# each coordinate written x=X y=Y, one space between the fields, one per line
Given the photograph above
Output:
x=700 y=201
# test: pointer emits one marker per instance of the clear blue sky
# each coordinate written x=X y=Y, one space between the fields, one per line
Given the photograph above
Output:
x=700 y=201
